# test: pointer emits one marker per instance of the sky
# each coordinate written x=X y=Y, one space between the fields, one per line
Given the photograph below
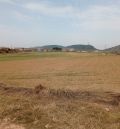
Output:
x=28 y=23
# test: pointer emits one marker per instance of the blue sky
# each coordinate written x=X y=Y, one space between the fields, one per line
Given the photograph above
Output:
x=26 y=23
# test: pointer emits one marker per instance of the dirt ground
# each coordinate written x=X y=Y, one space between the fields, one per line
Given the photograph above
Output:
x=7 y=125
x=60 y=91
x=76 y=71
x=42 y=108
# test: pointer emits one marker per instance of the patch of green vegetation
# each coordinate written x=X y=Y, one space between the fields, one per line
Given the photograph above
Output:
x=32 y=55
x=35 y=55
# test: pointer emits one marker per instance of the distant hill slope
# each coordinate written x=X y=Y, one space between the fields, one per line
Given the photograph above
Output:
x=80 y=47
x=77 y=47
x=113 y=49
x=50 y=46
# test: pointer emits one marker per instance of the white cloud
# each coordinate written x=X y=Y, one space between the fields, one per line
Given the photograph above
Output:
x=7 y=1
x=21 y=16
x=96 y=17
x=48 y=9
x=96 y=23
x=100 y=18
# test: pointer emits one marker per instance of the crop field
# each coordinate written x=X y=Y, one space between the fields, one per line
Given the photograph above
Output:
x=59 y=90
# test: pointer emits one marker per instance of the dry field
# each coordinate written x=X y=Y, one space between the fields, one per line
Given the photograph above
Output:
x=70 y=71
x=79 y=91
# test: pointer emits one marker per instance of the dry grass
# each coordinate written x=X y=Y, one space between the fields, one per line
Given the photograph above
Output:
x=42 y=108
x=72 y=71
x=82 y=92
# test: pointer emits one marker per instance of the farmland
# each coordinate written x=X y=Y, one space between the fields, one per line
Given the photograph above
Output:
x=62 y=70
x=80 y=90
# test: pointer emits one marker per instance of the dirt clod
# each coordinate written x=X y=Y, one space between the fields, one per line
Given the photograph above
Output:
x=39 y=88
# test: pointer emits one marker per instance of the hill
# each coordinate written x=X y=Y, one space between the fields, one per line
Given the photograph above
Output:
x=50 y=46
x=77 y=47
x=113 y=49
x=80 y=47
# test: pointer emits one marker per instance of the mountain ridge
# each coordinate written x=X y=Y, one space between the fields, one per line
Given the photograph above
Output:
x=78 y=47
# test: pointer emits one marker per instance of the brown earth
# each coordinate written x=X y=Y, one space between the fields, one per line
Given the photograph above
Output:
x=41 y=107
x=105 y=98
x=7 y=125
x=78 y=91
x=87 y=72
